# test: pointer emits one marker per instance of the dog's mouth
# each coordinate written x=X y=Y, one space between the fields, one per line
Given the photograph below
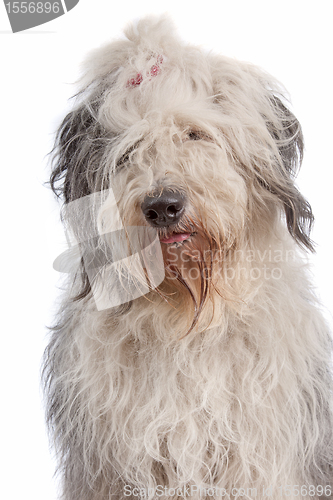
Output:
x=175 y=237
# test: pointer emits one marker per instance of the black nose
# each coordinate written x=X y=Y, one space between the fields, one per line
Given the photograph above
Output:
x=164 y=209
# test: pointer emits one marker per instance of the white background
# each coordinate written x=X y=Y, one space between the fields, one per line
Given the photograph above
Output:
x=292 y=39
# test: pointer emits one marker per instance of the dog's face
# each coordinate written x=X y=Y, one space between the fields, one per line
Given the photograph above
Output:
x=196 y=146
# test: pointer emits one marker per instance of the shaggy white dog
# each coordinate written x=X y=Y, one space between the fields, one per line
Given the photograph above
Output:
x=215 y=381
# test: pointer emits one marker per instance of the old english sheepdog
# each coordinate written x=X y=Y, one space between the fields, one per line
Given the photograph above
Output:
x=190 y=358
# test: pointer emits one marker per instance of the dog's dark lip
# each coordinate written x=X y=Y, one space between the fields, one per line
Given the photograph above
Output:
x=175 y=237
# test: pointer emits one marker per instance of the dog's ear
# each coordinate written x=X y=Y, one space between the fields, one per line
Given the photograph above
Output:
x=286 y=132
x=77 y=160
x=77 y=155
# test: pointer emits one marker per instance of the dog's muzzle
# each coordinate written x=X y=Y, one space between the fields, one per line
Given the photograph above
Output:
x=164 y=209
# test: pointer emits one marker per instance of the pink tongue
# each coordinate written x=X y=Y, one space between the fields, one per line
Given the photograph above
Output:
x=176 y=238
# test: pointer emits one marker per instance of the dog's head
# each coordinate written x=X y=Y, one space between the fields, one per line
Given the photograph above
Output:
x=199 y=147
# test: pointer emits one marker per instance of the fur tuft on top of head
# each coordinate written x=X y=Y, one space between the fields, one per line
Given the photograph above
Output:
x=143 y=40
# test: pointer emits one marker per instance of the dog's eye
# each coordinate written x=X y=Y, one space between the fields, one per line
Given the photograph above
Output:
x=123 y=160
x=194 y=135
x=197 y=135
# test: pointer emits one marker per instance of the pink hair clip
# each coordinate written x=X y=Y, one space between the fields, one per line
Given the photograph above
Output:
x=154 y=71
